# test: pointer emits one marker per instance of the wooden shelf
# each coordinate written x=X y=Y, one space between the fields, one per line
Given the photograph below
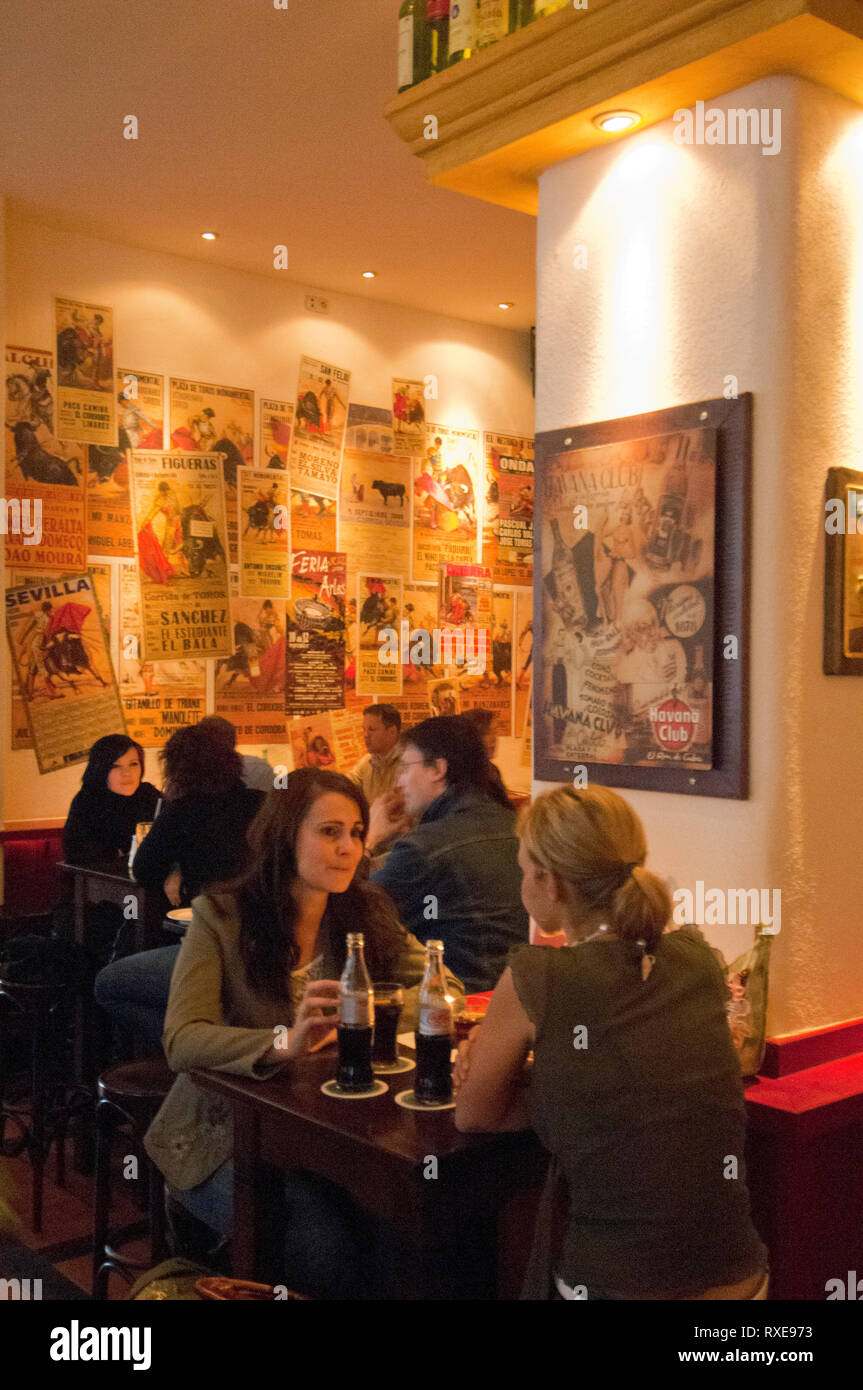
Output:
x=527 y=102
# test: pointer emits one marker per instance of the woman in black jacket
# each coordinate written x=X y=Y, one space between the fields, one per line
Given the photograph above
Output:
x=111 y=802
x=201 y=829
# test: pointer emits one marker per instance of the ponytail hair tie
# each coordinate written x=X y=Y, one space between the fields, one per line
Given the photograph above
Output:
x=647 y=962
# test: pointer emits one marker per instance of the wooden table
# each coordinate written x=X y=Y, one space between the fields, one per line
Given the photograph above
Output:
x=110 y=881
x=448 y=1197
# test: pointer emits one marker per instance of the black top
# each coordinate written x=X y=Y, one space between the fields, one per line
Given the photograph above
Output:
x=636 y=1091
x=204 y=835
x=101 y=824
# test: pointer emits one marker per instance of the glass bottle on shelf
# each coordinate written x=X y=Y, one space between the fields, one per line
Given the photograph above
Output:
x=413 y=44
x=437 y=25
x=493 y=20
x=462 y=30
x=544 y=7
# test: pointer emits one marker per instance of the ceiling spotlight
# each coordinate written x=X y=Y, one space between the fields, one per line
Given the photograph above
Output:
x=209 y=236
x=504 y=305
x=613 y=122
x=369 y=274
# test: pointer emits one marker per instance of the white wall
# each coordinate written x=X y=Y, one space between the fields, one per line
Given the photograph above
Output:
x=705 y=261
x=182 y=318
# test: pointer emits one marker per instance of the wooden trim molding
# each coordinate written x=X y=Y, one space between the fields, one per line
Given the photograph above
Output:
x=515 y=109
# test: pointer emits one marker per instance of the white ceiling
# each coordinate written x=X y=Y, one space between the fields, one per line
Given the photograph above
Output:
x=259 y=123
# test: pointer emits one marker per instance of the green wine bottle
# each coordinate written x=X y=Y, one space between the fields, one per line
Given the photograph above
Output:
x=438 y=21
x=462 y=29
x=413 y=44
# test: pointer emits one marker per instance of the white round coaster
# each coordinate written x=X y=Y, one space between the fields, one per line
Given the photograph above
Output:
x=393 y=1068
x=331 y=1088
x=408 y=1101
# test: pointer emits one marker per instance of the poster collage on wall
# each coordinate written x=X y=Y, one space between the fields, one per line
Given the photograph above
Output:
x=178 y=551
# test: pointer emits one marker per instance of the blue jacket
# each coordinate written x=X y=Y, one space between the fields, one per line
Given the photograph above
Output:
x=456 y=878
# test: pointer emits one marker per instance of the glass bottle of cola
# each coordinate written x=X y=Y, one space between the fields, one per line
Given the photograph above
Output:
x=434 y=1036
x=357 y=1021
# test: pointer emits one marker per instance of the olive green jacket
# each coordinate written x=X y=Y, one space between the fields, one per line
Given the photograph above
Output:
x=215 y=1019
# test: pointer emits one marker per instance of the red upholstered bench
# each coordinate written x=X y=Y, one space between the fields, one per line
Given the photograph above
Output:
x=31 y=882
x=805 y=1158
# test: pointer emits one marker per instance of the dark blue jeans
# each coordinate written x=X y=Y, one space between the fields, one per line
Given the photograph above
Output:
x=328 y=1248
x=134 y=991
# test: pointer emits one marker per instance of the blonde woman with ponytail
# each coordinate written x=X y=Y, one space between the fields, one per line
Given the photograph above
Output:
x=634 y=1085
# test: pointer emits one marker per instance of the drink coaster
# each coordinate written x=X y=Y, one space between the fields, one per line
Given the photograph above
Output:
x=331 y=1088
x=393 y=1068
x=408 y=1101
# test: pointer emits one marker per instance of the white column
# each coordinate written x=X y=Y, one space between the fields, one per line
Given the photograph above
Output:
x=705 y=261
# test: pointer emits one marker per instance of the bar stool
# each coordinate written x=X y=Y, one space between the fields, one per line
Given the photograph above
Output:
x=42 y=1009
x=129 y=1093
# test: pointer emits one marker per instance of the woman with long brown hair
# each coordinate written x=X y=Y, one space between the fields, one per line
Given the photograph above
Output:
x=635 y=1087
x=256 y=985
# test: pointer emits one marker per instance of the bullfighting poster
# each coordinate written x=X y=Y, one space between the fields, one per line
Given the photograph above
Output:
x=220 y=420
x=276 y=423
x=20 y=729
x=46 y=478
x=178 y=507
x=409 y=418
x=627 y=552
x=507 y=507
x=141 y=417
x=419 y=610
x=522 y=656
x=158 y=697
x=444 y=501
x=375 y=511
x=315 y=666
x=63 y=666
x=320 y=417
x=379 y=608
x=333 y=740
x=86 y=384
x=313 y=521
x=492 y=689
x=250 y=684
x=265 y=533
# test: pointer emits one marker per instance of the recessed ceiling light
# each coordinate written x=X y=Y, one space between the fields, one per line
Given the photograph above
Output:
x=613 y=122
x=209 y=236
x=369 y=274
x=504 y=305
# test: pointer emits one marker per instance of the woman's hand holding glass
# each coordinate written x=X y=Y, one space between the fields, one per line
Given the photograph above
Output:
x=314 y=1025
x=461 y=1066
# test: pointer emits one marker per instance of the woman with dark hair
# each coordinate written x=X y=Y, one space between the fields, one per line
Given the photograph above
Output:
x=199 y=837
x=460 y=861
x=99 y=828
x=111 y=802
x=635 y=1087
x=256 y=985
x=202 y=826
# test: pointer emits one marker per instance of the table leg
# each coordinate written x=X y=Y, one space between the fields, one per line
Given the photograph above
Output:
x=249 y=1208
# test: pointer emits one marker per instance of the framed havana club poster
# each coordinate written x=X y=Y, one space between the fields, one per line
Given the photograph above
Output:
x=640 y=601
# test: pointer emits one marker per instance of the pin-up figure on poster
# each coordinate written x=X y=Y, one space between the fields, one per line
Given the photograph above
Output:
x=628 y=603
